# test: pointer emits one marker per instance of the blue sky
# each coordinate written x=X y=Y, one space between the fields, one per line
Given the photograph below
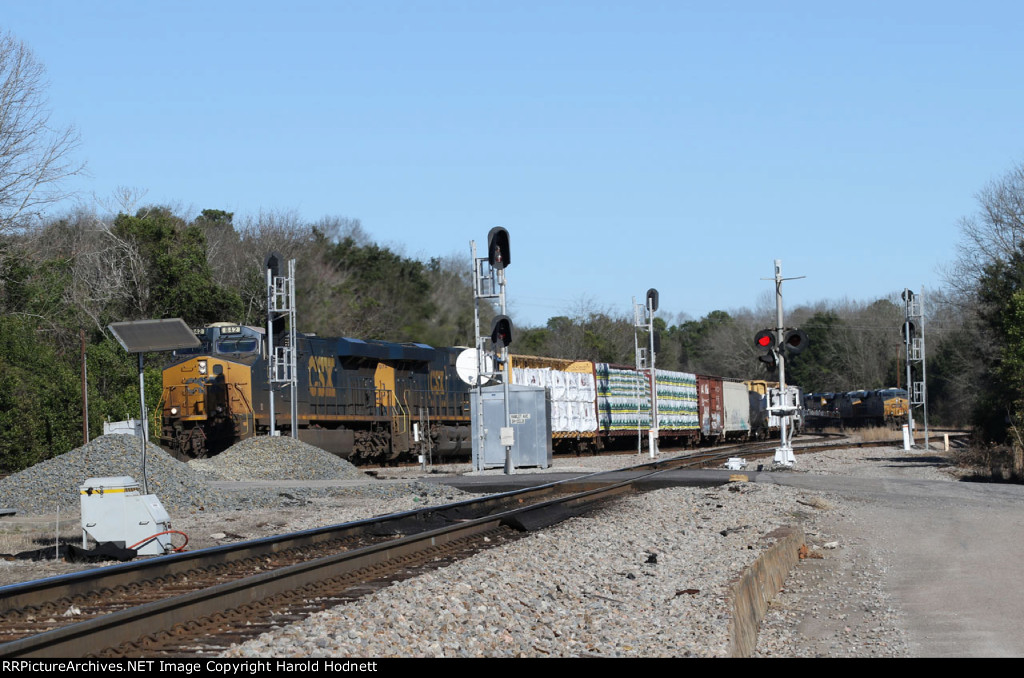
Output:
x=676 y=145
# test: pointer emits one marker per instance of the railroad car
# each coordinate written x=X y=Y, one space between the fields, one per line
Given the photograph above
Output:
x=358 y=399
x=879 y=407
x=624 y=404
x=596 y=406
x=738 y=415
x=895 y=405
x=710 y=408
x=572 y=389
x=821 y=411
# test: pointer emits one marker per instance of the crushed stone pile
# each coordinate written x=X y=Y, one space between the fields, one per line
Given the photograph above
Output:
x=55 y=484
x=276 y=458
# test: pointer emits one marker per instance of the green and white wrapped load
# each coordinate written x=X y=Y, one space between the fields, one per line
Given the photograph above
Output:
x=624 y=401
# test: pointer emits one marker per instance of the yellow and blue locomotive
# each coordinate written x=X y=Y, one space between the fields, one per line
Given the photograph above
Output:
x=358 y=399
x=876 y=407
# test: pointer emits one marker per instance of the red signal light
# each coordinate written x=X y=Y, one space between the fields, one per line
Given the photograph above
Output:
x=765 y=339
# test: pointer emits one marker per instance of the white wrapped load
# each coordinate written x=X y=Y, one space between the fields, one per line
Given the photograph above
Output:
x=572 y=395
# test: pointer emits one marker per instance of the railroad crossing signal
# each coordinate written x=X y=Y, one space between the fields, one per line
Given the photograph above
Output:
x=795 y=341
x=766 y=339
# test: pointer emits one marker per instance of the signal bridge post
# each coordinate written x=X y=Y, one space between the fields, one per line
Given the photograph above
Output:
x=643 y=319
x=917 y=391
x=282 y=365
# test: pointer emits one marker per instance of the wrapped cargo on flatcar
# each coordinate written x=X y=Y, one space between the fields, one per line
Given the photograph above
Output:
x=572 y=390
x=624 y=400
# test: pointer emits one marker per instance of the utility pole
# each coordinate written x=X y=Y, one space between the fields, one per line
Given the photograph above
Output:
x=85 y=391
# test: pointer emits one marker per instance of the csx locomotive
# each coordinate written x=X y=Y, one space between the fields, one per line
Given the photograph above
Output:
x=879 y=407
x=357 y=399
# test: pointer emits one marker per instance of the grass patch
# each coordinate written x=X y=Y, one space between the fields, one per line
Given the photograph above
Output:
x=874 y=434
x=16 y=538
x=996 y=463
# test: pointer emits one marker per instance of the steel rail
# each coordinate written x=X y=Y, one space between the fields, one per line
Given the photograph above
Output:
x=90 y=636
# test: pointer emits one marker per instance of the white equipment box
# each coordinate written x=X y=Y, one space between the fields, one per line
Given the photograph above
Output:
x=114 y=510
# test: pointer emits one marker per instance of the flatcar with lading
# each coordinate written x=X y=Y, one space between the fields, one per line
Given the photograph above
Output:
x=357 y=399
x=361 y=399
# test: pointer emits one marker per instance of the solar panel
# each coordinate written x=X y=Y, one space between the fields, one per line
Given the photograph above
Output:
x=144 y=336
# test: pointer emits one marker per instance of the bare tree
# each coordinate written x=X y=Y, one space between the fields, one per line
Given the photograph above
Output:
x=35 y=157
x=236 y=252
x=994 y=234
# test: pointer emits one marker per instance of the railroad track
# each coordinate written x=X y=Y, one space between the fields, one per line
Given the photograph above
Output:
x=198 y=603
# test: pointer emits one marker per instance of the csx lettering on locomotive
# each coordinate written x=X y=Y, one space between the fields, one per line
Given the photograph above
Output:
x=321 y=376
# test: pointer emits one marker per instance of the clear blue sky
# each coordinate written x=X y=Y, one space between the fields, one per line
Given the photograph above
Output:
x=677 y=145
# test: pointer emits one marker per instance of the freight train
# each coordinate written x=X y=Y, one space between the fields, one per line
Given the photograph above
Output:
x=363 y=400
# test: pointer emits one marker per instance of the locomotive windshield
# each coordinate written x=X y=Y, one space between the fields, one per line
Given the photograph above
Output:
x=238 y=345
x=202 y=349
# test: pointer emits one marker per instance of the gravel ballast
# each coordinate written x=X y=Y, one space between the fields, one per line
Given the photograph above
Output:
x=55 y=484
x=647 y=578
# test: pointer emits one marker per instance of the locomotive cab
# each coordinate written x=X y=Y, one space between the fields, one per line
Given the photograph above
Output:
x=207 y=391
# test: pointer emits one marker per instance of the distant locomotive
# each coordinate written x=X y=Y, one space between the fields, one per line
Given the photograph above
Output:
x=878 y=407
x=360 y=399
x=357 y=399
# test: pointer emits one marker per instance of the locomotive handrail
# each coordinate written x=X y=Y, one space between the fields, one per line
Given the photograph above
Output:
x=241 y=396
x=399 y=414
